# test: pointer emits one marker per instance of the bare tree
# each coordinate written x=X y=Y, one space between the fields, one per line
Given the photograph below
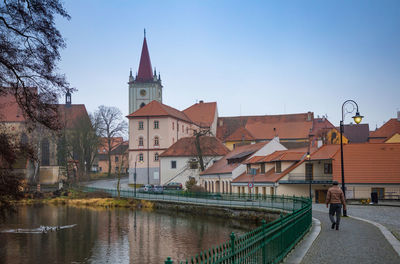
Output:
x=29 y=52
x=111 y=125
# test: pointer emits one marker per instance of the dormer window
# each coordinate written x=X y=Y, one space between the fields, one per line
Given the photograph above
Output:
x=278 y=167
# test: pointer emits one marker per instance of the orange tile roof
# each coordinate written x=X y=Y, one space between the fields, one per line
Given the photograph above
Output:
x=222 y=166
x=240 y=134
x=369 y=163
x=325 y=152
x=284 y=130
x=386 y=130
x=202 y=114
x=253 y=160
x=228 y=125
x=155 y=108
x=210 y=146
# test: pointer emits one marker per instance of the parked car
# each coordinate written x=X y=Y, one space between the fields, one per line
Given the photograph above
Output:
x=146 y=188
x=157 y=189
x=173 y=186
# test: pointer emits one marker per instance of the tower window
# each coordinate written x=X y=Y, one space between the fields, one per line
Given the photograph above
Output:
x=141 y=157
x=142 y=104
x=156 y=124
x=173 y=125
x=156 y=141
x=156 y=156
x=141 y=141
x=140 y=125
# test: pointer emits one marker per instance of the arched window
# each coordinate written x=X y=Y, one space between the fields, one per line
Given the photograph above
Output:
x=173 y=125
x=24 y=139
x=156 y=141
x=141 y=157
x=140 y=141
x=156 y=156
x=142 y=104
x=45 y=152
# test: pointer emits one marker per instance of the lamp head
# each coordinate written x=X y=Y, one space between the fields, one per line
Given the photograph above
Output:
x=308 y=156
x=358 y=118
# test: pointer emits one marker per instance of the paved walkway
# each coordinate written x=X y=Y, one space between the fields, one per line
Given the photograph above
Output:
x=355 y=242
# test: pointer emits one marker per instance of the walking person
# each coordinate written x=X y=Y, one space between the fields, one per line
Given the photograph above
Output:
x=335 y=198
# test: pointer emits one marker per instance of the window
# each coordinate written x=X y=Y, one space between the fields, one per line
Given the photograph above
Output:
x=24 y=139
x=156 y=124
x=141 y=157
x=173 y=125
x=45 y=152
x=116 y=169
x=142 y=104
x=140 y=141
x=100 y=168
x=328 y=168
x=173 y=164
x=263 y=168
x=187 y=130
x=116 y=158
x=183 y=129
x=156 y=141
x=248 y=168
x=156 y=156
x=193 y=164
x=278 y=167
x=140 y=125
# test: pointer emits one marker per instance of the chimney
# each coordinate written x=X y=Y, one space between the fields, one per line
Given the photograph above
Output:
x=309 y=116
x=201 y=101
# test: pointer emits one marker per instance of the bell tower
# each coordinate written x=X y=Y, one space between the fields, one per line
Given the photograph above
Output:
x=146 y=85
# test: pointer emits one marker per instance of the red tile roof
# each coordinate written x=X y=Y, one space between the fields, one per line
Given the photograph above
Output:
x=72 y=114
x=222 y=166
x=369 y=163
x=156 y=109
x=386 y=130
x=228 y=125
x=115 y=141
x=185 y=147
x=10 y=110
x=240 y=134
x=258 y=178
x=202 y=114
x=145 y=70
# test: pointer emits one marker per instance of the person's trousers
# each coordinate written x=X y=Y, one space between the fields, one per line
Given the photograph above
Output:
x=335 y=209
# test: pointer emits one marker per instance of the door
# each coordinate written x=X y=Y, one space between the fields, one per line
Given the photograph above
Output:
x=379 y=191
x=320 y=196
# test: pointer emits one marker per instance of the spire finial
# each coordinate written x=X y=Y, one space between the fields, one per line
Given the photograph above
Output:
x=130 y=72
x=144 y=32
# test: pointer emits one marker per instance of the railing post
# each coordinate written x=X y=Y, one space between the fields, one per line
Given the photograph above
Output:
x=264 y=246
x=293 y=201
x=233 y=247
x=169 y=261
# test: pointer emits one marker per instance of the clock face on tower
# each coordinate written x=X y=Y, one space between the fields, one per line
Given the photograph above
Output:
x=143 y=92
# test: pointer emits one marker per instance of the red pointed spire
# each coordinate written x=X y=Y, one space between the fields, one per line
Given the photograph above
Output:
x=145 y=73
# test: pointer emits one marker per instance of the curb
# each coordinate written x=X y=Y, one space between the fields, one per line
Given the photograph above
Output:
x=298 y=253
x=386 y=233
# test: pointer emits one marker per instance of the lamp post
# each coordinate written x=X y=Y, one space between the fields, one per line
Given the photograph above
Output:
x=134 y=174
x=309 y=175
x=357 y=118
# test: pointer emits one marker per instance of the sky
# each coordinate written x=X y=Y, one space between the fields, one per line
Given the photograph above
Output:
x=251 y=57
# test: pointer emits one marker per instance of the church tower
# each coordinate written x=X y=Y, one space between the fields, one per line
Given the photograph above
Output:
x=146 y=85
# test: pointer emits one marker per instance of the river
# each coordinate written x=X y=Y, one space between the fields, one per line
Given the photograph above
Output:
x=63 y=234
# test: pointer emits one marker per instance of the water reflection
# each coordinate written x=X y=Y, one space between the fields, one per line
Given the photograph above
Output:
x=109 y=236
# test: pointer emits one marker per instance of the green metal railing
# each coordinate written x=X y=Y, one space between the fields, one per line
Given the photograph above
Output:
x=268 y=243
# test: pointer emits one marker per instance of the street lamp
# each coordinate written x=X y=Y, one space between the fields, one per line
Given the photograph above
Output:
x=357 y=118
x=309 y=174
x=134 y=174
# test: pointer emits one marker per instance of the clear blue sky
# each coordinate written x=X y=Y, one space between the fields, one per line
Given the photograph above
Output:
x=251 y=57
